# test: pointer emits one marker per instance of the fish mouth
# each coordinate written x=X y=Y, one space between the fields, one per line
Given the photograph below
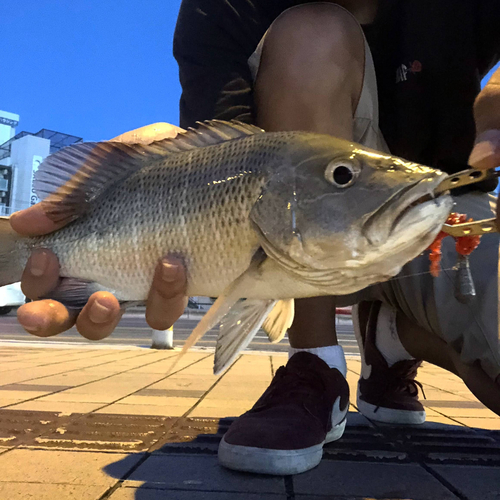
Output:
x=406 y=210
x=401 y=206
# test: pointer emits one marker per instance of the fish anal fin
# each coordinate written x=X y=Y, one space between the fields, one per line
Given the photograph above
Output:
x=279 y=320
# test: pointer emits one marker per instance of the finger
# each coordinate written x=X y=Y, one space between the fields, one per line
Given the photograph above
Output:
x=99 y=317
x=167 y=297
x=33 y=222
x=486 y=152
x=45 y=318
x=149 y=134
x=487 y=105
x=41 y=274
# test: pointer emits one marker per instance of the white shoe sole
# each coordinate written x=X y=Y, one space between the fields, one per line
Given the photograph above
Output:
x=275 y=462
x=389 y=415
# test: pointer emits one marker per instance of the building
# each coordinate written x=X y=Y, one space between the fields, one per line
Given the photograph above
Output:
x=20 y=156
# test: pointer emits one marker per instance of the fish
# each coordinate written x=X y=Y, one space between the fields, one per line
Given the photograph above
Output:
x=258 y=219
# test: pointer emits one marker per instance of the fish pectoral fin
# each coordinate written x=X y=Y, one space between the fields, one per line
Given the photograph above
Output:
x=214 y=315
x=238 y=329
x=279 y=320
x=231 y=295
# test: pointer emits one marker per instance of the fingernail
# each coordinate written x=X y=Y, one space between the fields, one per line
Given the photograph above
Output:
x=31 y=326
x=169 y=272
x=99 y=313
x=39 y=262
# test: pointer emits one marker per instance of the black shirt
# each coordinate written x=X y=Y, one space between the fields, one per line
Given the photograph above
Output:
x=430 y=57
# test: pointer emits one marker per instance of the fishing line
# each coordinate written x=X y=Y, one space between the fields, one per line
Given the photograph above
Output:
x=418 y=274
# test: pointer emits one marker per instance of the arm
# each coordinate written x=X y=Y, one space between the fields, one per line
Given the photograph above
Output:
x=486 y=152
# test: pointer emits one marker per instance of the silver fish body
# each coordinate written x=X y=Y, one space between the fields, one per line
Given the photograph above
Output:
x=194 y=205
x=220 y=202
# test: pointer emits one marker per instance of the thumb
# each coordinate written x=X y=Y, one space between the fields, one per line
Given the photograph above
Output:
x=149 y=134
x=32 y=221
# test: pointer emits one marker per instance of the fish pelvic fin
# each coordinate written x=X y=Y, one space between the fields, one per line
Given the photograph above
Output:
x=238 y=329
x=69 y=180
x=10 y=269
x=279 y=320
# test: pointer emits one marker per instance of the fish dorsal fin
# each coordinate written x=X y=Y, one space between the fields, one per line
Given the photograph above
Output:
x=69 y=180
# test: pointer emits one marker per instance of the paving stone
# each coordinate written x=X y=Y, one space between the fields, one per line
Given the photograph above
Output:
x=70 y=467
x=151 y=410
x=56 y=406
x=38 y=491
x=468 y=409
x=183 y=472
x=476 y=483
x=481 y=423
x=219 y=412
x=443 y=423
x=146 y=493
x=376 y=480
x=356 y=419
x=334 y=497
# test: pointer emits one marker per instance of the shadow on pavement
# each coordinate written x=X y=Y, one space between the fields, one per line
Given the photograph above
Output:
x=372 y=460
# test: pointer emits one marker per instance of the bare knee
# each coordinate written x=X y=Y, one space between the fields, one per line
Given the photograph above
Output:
x=316 y=46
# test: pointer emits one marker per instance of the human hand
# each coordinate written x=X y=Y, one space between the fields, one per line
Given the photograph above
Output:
x=101 y=314
x=486 y=152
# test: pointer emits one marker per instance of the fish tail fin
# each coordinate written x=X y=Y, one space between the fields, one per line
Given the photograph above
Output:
x=279 y=320
x=10 y=269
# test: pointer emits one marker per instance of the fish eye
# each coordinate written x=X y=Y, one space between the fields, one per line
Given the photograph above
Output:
x=341 y=174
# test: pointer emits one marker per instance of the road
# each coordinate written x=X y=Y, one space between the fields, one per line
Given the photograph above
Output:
x=133 y=330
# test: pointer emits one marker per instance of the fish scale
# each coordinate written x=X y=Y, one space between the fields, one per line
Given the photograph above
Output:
x=203 y=222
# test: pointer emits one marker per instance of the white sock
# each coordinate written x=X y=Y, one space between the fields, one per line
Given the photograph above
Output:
x=332 y=355
x=387 y=339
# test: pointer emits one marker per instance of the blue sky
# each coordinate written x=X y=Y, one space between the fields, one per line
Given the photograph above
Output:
x=90 y=68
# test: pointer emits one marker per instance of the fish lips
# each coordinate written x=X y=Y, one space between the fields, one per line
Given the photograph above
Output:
x=401 y=207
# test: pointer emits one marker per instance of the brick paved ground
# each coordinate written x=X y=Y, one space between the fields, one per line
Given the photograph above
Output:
x=96 y=423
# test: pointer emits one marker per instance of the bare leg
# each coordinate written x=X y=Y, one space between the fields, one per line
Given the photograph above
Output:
x=310 y=78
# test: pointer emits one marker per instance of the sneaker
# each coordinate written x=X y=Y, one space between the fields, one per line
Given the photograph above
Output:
x=304 y=407
x=386 y=394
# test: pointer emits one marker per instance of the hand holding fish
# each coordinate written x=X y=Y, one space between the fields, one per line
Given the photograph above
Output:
x=101 y=314
x=486 y=152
